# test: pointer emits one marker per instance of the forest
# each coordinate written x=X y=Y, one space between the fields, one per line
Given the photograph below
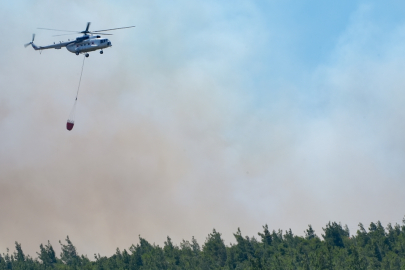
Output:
x=375 y=247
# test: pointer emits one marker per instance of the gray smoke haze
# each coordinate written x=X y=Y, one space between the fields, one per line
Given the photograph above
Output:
x=184 y=125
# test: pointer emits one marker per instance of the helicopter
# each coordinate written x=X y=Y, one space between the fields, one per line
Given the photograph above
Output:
x=90 y=41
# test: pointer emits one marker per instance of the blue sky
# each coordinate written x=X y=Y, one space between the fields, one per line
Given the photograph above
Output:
x=205 y=115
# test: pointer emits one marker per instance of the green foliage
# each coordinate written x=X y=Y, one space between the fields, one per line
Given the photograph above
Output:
x=47 y=255
x=214 y=251
x=373 y=248
x=19 y=254
x=334 y=234
x=266 y=236
x=69 y=254
x=310 y=233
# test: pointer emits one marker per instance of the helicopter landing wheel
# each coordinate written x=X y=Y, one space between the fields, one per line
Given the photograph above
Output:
x=77 y=53
x=101 y=52
x=87 y=55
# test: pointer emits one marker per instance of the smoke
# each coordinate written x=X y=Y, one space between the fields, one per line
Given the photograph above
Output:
x=180 y=128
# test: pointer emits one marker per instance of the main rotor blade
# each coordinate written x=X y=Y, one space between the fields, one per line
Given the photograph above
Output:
x=101 y=33
x=66 y=34
x=87 y=27
x=112 y=29
x=58 y=30
x=80 y=33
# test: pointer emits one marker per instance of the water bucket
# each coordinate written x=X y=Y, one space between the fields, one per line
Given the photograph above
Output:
x=69 y=125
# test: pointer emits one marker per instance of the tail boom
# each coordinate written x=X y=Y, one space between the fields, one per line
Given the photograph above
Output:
x=35 y=46
x=53 y=46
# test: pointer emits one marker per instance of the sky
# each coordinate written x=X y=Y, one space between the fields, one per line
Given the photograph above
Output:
x=210 y=114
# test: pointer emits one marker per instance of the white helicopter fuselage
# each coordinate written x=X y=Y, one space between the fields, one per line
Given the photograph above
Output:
x=82 y=44
x=88 y=45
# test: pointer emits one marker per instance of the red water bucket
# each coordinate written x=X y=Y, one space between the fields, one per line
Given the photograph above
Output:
x=69 y=125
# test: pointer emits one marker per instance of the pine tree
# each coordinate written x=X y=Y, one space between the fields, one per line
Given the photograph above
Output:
x=334 y=234
x=310 y=233
x=214 y=250
x=47 y=255
x=19 y=254
x=266 y=236
x=69 y=254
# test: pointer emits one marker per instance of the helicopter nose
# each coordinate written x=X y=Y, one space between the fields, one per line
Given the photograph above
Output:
x=109 y=43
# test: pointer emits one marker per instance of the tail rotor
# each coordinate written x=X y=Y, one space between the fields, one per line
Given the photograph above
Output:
x=33 y=37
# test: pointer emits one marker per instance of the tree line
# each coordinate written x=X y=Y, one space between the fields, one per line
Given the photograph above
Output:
x=376 y=247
